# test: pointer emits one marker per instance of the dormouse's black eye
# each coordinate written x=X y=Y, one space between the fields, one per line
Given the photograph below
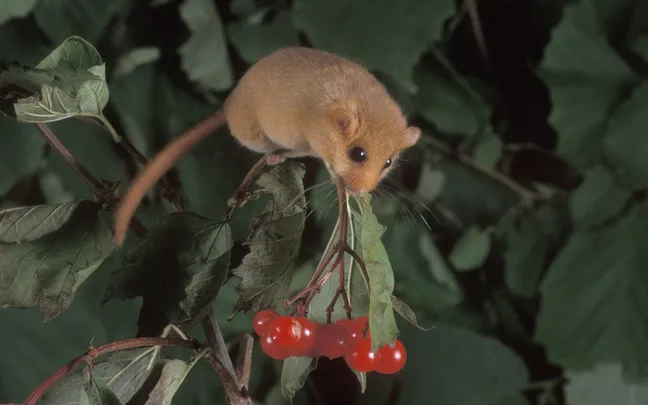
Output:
x=388 y=163
x=357 y=154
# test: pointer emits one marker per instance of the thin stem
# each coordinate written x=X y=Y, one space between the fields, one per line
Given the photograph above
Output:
x=94 y=352
x=102 y=189
x=62 y=150
x=528 y=197
x=217 y=343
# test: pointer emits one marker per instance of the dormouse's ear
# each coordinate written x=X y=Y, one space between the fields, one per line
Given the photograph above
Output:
x=412 y=135
x=346 y=119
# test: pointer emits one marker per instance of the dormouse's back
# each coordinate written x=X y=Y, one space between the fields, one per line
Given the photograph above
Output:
x=305 y=77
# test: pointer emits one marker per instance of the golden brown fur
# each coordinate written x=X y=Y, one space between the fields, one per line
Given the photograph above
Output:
x=304 y=102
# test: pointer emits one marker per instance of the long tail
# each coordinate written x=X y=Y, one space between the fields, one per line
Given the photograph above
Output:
x=157 y=167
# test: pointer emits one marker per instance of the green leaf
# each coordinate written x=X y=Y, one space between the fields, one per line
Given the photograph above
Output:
x=71 y=80
x=329 y=26
x=184 y=259
x=294 y=372
x=86 y=18
x=598 y=199
x=531 y=240
x=427 y=283
x=448 y=101
x=21 y=152
x=382 y=322
x=266 y=271
x=16 y=9
x=598 y=276
x=586 y=78
x=489 y=373
x=431 y=183
x=136 y=58
x=173 y=374
x=625 y=140
x=604 y=385
x=255 y=40
x=97 y=393
x=471 y=250
x=46 y=272
x=405 y=311
x=204 y=56
x=25 y=224
x=489 y=150
x=123 y=372
x=133 y=95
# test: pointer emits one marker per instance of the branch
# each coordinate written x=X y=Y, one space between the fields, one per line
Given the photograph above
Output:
x=94 y=352
x=101 y=189
x=527 y=196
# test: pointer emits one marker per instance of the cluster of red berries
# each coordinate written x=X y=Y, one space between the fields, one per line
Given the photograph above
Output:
x=285 y=336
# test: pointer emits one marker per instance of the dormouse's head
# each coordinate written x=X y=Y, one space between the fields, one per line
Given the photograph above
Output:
x=364 y=144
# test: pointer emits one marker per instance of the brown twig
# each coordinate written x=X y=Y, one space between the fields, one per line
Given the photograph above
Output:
x=244 y=361
x=528 y=197
x=217 y=343
x=94 y=352
x=101 y=189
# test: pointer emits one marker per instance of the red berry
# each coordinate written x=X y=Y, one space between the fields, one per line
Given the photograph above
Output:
x=359 y=357
x=296 y=333
x=331 y=341
x=391 y=358
x=263 y=319
x=357 y=327
x=274 y=349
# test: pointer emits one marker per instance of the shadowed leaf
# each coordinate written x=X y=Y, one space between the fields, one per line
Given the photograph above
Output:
x=204 y=56
x=180 y=264
x=266 y=271
x=47 y=271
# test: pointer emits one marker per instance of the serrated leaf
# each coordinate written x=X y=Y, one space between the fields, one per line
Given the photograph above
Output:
x=598 y=275
x=173 y=374
x=71 y=80
x=95 y=392
x=266 y=271
x=46 y=272
x=204 y=56
x=294 y=372
x=21 y=152
x=604 y=385
x=598 y=199
x=471 y=250
x=16 y=9
x=86 y=18
x=382 y=323
x=185 y=259
x=448 y=101
x=24 y=224
x=625 y=140
x=329 y=25
x=586 y=79
x=123 y=372
x=490 y=373
x=529 y=243
x=255 y=41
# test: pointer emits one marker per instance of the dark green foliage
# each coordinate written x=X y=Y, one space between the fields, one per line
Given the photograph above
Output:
x=506 y=251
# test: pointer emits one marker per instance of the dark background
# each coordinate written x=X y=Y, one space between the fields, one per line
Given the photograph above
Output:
x=531 y=176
